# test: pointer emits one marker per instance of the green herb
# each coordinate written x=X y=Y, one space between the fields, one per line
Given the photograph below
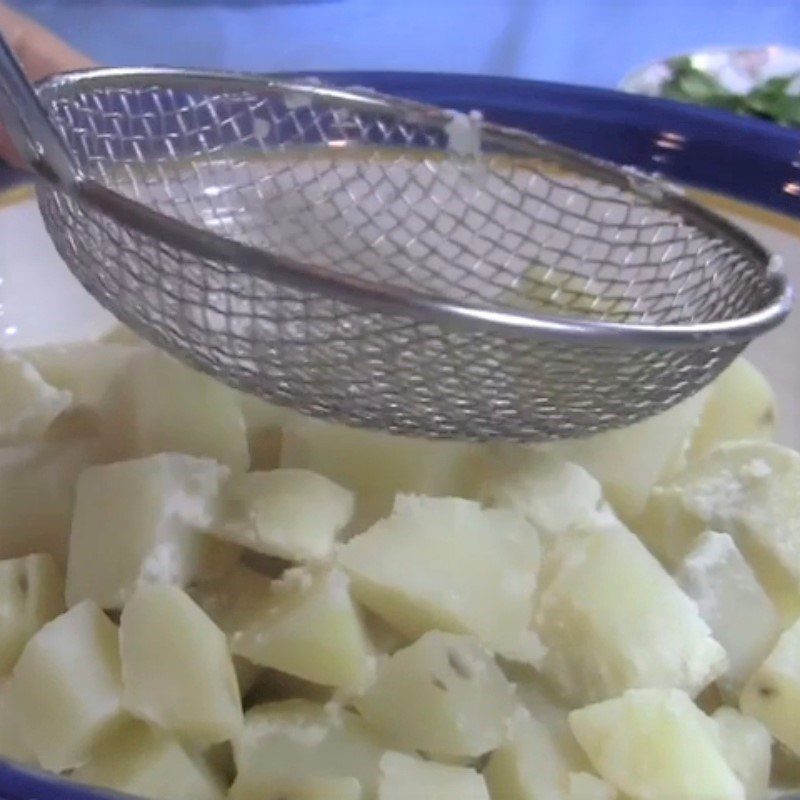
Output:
x=770 y=100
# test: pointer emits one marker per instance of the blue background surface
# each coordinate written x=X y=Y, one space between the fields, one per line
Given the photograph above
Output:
x=593 y=42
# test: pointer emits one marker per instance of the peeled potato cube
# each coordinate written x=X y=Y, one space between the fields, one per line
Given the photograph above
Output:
x=741 y=405
x=551 y=493
x=613 y=619
x=654 y=744
x=377 y=466
x=147 y=763
x=630 y=461
x=309 y=627
x=37 y=495
x=298 y=745
x=293 y=514
x=584 y=786
x=449 y=564
x=144 y=519
x=29 y=404
x=772 y=694
x=65 y=690
x=443 y=695
x=157 y=405
x=529 y=764
x=731 y=601
x=407 y=778
x=750 y=490
x=747 y=747
x=176 y=669
x=31 y=594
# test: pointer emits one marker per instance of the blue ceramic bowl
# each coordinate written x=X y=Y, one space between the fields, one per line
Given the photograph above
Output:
x=748 y=159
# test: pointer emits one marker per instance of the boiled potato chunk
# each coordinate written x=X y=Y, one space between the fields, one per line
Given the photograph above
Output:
x=584 y=786
x=407 y=778
x=150 y=764
x=654 y=744
x=552 y=494
x=377 y=466
x=31 y=594
x=65 y=691
x=309 y=627
x=741 y=405
x=37 y=495
x=731 y=601
x=530 y=764
x=176 y=668
x=750 y=490
x=613 y=619
x=630 y=461
x=443 y=695
x=772 y=694
x=296 y=745
x=29 y=404
x=142 y=520
x=157 y=405
x=747 y=747
x=293 y=514
x=449 y=564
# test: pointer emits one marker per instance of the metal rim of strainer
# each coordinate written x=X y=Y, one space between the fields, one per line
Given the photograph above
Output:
x=402 y=302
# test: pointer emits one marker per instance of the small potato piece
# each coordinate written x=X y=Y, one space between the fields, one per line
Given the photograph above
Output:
x=407 y=778
x=300 y=746
x=377 y=466
x=293 y=514
x=448 y=564
x=584 y=786
x=654 y=744
x=731 y=601
x=309 y=627
x=551 y=493
x=31 y=594
x=176 y=669
x=142 y=520
x=741 y=405
x=157 y=405
x=772 y=694
x=65 y=690
x=28 y=404
x=613 y=619
x=747 y=747
x=443 y=695
x=529 y=765
x=151 y=764
x=750 y=490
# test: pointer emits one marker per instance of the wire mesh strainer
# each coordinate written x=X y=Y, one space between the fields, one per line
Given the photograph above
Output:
x=384 y=263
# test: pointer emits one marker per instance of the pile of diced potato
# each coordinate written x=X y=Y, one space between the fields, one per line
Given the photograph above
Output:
x=204 y=596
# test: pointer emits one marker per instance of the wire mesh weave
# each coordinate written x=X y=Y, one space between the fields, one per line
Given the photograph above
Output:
x=372 y=193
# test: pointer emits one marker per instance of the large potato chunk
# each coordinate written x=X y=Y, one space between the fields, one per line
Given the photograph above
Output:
x=377 y=466
x=750 y=490
x=613 y=619
x=407 y=778
x=741 y=616
x=37 y=495
x=584 y=786
x=655 y=744
x=66 y=688
x=142 y=520
x=28 y=404
x=157 y=405
x=293 y=514
x=140 y=761
x=176 y=669
x=772 y=694
x=448 y=564
x=308 y=626
x=297 y=746
x=443 y=695
x=747 y=747
x=31 y=594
